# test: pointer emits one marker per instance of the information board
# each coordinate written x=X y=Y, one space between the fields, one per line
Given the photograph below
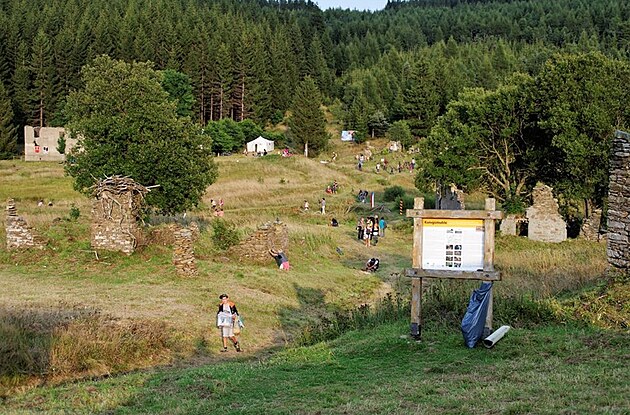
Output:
x=452 y=244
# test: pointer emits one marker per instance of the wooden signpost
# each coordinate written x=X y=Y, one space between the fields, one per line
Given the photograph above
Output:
x=456 y=244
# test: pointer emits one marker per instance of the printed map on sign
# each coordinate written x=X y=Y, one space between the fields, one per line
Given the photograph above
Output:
x=452 y=244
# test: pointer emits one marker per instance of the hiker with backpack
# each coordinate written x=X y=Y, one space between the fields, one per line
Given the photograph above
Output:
x=228 y=321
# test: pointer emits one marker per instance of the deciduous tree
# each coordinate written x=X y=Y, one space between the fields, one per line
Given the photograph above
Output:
x=126 y=125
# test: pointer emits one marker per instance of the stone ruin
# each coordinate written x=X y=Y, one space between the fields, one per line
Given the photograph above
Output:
x=271 y=235
x=183 y=252
x=591 y=227
x=545 y=223
x=512 y=224
x=115 y=212
x=618 y=245
x=450 y=198
x=19 y=234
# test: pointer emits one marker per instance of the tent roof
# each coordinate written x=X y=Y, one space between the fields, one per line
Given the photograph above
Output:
x=260 y=139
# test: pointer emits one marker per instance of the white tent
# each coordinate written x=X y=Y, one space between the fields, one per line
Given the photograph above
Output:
x=259 y=145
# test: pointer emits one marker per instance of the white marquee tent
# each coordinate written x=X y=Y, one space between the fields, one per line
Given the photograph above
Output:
x=259 y=145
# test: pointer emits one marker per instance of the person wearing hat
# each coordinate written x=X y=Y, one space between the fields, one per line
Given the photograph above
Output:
x=227 y=316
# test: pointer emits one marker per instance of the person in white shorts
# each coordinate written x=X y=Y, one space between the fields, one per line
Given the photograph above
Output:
x=227 y=316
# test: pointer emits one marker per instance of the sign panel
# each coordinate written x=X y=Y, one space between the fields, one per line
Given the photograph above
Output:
x=452 y=244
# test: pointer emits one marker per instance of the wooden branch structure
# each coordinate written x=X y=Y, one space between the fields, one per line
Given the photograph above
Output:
x=452 y=244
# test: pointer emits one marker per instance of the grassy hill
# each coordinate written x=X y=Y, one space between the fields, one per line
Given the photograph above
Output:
x=69 y=312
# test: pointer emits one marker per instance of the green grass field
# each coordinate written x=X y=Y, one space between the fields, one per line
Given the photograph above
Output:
x=68 y=313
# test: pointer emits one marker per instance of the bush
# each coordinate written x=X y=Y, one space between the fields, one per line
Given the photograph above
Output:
x=393 y=193
x=224 y=234
x=74 y=213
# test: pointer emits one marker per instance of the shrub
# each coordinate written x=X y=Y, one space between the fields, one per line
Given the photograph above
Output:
x=74 y=213
x=393 y=193
x=224 y=234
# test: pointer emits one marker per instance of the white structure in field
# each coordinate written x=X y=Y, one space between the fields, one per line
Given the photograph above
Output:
x=259 y=145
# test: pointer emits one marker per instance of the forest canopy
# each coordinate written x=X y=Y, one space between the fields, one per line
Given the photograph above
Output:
x=413 y=62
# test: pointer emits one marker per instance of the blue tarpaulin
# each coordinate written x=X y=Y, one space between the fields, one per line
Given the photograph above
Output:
x=475 y=317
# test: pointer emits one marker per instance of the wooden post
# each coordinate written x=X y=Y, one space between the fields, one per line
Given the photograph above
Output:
x=488 y=257
x=416 y=283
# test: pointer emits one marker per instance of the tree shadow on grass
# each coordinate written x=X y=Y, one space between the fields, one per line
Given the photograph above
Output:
x=311 y=308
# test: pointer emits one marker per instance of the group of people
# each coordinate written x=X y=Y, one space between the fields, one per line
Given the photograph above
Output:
x=370 y=229
x=362 y=196
x=332 y=188
x=217 y=208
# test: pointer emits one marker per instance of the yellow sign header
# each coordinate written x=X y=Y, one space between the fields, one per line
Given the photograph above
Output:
x=452 y=223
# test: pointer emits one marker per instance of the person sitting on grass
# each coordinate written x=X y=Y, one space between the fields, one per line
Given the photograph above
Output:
x=372 y=265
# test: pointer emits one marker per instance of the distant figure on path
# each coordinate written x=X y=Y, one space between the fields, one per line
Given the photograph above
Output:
x=227 y=316
x=322 y=204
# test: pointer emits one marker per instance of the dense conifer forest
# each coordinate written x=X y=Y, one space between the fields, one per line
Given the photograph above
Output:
x=245 y=60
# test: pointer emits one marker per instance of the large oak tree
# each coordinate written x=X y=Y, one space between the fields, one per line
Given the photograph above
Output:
x=127 y=125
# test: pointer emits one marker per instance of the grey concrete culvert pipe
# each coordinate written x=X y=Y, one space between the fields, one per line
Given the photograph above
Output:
x=497 y=335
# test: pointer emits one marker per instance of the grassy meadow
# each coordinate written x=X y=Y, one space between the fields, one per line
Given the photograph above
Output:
x=142 y=340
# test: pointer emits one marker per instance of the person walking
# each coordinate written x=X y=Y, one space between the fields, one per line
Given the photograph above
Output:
x=322 y=204
x=227 y=317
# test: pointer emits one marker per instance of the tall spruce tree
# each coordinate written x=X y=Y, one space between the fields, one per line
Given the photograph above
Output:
x=307 y=125
x=8 y=134
x=43 y=72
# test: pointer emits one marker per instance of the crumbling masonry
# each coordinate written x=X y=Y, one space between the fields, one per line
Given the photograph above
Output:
x=545 y=223
x=618 y=245
x=271 y=235
x=115 y=211
x=19 y=234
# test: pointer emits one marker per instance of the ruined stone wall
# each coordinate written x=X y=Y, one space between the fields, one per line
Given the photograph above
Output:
x=545 y=223
x=591 y=226
x=271 y=235
x=183 y=253
x=508 y=225
x=450 y=198
x=114 y=223
x=512 y=224
x=618 y=245
x=19 y=234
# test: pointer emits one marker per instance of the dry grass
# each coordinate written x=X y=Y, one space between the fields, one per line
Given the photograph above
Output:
x=143 y=289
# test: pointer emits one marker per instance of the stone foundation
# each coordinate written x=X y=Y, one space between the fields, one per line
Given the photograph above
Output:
x=19 y=234
x=618 y=245
x=545 y=223
x=271 y=235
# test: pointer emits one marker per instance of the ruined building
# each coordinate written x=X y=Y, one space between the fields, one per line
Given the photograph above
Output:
x=545 y=223
x=115 y=213
x=618 y=245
